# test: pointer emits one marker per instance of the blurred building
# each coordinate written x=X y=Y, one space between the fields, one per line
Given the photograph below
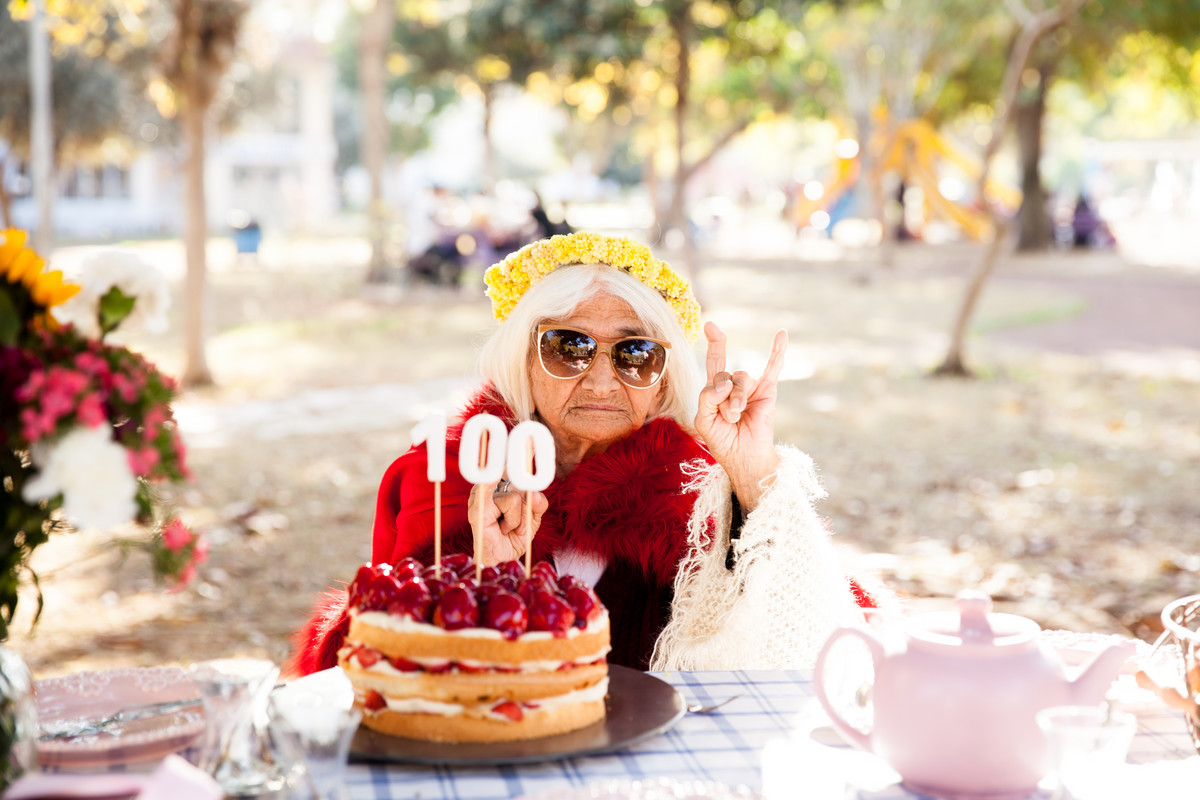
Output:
x=276 y=164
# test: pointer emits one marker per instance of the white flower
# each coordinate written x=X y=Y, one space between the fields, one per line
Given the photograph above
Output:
x=92 y=473
x=130 y=273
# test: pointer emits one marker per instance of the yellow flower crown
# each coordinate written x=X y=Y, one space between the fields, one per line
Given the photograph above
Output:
x=509 y=279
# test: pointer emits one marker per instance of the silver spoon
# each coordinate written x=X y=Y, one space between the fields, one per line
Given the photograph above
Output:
x=698 y=708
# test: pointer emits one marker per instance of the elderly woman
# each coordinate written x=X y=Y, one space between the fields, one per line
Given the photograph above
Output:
x=670 y=496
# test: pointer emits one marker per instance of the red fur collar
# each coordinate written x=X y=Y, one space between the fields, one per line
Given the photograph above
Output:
x=624 y=504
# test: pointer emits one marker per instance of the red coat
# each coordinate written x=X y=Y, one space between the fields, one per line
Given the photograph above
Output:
x=624 y=505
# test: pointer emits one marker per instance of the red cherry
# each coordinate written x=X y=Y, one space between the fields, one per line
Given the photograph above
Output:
x=457 y=562
x=486 y=592
x=507 y=613
x=508 y=583
x=585 y=604
x=407 y=568
x=489 y=575
x=546 y=570
x=413 y=600
x=514 y=569
x=456 y=609
x=549 y=612
x=537 y=583
x=362 y=579
x=404 y=665
x=374 y=701
x=436 y=587
x=567 y=581
x=382 y=568
x=511 y=710
x=380 y=591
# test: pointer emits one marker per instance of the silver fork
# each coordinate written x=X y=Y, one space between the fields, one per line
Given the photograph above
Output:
x=69 y=729
x=698 y=708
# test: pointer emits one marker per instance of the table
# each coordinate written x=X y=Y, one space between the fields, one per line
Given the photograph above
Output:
x=772 y=737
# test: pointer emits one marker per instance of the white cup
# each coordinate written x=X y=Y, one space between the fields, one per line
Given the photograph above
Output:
x=1087 y=747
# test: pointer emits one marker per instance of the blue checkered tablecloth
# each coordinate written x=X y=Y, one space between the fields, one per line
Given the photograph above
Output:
x=772 y=740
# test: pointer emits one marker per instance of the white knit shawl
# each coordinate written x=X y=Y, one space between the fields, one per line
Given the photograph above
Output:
x=786 y=592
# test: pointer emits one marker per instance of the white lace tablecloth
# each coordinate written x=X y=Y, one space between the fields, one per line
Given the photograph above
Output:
x=773 y=742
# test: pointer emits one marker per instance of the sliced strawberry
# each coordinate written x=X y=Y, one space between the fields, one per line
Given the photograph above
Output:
x=511 y=710
x=374 y=701
x=367 y=656
x=404 y=665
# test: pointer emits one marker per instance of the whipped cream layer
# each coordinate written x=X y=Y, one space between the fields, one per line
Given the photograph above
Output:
x=400 y=624
x=413 y=705
x=437 y=665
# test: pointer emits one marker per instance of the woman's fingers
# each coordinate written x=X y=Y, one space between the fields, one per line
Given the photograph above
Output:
x=714 y=362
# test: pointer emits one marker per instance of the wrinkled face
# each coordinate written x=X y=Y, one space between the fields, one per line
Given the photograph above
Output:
x=592 y=411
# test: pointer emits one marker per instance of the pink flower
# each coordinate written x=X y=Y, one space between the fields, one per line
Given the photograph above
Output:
x=91 y=410
x=91 y=364
x=124 y=387
x=34 y=425
x=142 y=461
x=155 y=417
x=185 y=577
x=32 y=386
x=200 y=550
x=176 y=536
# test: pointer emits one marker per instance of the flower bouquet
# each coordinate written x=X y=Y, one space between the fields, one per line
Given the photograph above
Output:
x=86 y=428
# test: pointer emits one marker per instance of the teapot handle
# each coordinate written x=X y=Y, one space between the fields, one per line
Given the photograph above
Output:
x=860 y=739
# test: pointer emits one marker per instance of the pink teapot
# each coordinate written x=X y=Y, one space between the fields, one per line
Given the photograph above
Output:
x=954 y=707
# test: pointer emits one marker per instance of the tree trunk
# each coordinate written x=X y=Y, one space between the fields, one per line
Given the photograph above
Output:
x=195 y=370
x=1033 y=28
x=954 y=364
x=1034 y=229
x=372 y=74
x=5 y=203
x=489 y=151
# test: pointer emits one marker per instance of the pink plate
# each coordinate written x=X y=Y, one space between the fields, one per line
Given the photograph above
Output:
x=92 y=695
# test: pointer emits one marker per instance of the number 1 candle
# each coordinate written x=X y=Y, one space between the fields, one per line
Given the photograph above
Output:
x=432 y=431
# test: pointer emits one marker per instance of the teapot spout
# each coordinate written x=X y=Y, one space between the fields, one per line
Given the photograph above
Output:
x=1096 y=678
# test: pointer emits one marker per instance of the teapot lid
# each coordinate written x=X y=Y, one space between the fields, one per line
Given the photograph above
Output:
x=972 y=626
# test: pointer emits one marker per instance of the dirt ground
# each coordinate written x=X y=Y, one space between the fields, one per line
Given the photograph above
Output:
x=1062 y=480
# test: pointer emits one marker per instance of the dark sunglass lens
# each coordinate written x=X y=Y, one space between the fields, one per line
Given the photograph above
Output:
x=639 y=362
x=567 y=353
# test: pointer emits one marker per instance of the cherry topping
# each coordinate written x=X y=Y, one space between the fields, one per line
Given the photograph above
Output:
x=584 y=603
x=456 y=609
x=413 y=600
x=436 y=587
x=407 y=568
x=362 y=579
x=511 y=710
x=508 y=583
x=507 y=613
x=514 y=569
x=380 y=590
x=486 y=592
x=458 y=563
x=546 y=570
x=567 y=581
x=549 y=612
x=489 y=575
x=374 y=701
x=530 y=586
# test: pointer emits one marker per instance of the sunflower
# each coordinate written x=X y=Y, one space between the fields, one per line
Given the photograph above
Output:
x=31 y=292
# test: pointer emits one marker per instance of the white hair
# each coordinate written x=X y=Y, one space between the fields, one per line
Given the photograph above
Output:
x=507 y=356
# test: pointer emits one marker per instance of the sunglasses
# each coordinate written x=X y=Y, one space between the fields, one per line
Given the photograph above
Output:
x=567 y=353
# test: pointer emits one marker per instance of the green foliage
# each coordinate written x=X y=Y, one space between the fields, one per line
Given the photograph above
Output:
x=115 y=306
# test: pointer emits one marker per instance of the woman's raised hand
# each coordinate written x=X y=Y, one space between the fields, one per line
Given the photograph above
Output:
x=736 y=416
x=504 y=520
